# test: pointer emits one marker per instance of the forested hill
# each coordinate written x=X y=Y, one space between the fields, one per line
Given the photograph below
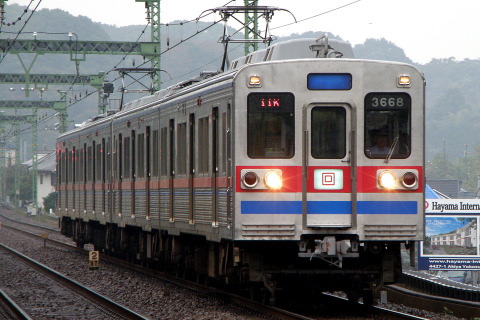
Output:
x=453 y=125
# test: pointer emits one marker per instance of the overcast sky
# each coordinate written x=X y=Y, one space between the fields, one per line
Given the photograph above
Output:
x=425 y=29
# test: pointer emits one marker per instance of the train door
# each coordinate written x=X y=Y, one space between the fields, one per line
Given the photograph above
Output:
x=133 y=171
x=171 y=154
x=103 y=154
x=120 y=156
x=147 y=170
x=84 y=175
x=191 y=166
x=214 y=159
x=327 y=166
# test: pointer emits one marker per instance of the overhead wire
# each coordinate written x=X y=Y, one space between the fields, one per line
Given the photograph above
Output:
x=18 y=33
x=317 y=15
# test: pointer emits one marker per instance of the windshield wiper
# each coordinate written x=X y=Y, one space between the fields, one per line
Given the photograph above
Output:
x=390 y=152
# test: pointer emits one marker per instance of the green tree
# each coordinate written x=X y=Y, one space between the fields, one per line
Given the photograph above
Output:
x=50 y=202
x=24 y=182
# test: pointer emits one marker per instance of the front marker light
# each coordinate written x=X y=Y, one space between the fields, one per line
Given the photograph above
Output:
x=409 y=180
x=250 y=179
x=386 y=180
x=273 y=180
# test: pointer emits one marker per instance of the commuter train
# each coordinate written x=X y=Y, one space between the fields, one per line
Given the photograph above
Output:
x=298 y=169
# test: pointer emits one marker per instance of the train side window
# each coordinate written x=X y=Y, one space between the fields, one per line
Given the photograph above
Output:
x=222 y=163
x=191 y=144
x=163 y=151
x=65 y=167
x=93 y=163
x=203 y=145
x=387 y=125
x=89 y=163
x=141 y=155
x=271 y=125
x=78 y=166
x=155 y=154
x=181 y=148
x=107 y=159
x=126 y=157
x=120 y=157
x=133 y=172
x=84 y=163
x=98 y=163
x=74 y=165
x=148 y=154
x=328 y=133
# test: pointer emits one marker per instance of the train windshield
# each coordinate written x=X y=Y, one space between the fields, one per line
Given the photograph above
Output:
x=329 y=133
x=271 y=125
x=387 y=125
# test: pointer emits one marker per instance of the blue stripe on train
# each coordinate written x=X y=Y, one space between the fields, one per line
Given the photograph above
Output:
x=329 y=207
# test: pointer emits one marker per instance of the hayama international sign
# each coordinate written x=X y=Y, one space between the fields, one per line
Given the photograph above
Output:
x=451 y=235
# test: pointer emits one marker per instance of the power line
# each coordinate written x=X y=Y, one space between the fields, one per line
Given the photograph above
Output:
x=18 y=34
x=317 y=15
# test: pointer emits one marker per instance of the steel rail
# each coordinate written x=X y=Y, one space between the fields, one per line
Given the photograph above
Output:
x=102 y=302
x=10 y=310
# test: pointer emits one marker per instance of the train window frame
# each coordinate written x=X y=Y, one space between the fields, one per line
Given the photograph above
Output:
x=274 y=114
x=163 y=151
x=203 y=144
x=89 y=165
x=181 y=148
x=126 y=158
x=140 y=155
x=98 y=162
x=389 y=115
x=318 y=138
x=155 y=154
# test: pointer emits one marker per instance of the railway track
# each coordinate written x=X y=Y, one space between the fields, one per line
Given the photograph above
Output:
x=97 y=305
x=262 y=310
x=10 y=310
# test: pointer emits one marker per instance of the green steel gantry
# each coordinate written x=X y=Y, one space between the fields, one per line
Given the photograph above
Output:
x=42 y=81
x=153 y=15
x=251 y=27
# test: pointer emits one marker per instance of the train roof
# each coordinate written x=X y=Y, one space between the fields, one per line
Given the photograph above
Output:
x=306 y=48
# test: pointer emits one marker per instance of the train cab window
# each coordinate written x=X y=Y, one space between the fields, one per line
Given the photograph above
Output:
x=271 y=125
x=387 y=125
x=328 y=138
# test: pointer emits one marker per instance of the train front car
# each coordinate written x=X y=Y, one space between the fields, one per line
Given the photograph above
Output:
x=329 y=156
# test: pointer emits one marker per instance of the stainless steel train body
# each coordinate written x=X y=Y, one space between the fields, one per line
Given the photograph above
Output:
x=266 y=173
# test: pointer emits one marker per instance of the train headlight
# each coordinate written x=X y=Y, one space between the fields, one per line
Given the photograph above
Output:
x=387 y=180
x=409 y=180
x=273 y=179
x=250 y=179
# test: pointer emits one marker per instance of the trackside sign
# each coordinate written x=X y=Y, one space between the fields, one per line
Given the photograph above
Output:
x=451 y=235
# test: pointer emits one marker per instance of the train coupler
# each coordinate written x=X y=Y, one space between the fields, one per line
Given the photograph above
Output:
x=332 y=251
